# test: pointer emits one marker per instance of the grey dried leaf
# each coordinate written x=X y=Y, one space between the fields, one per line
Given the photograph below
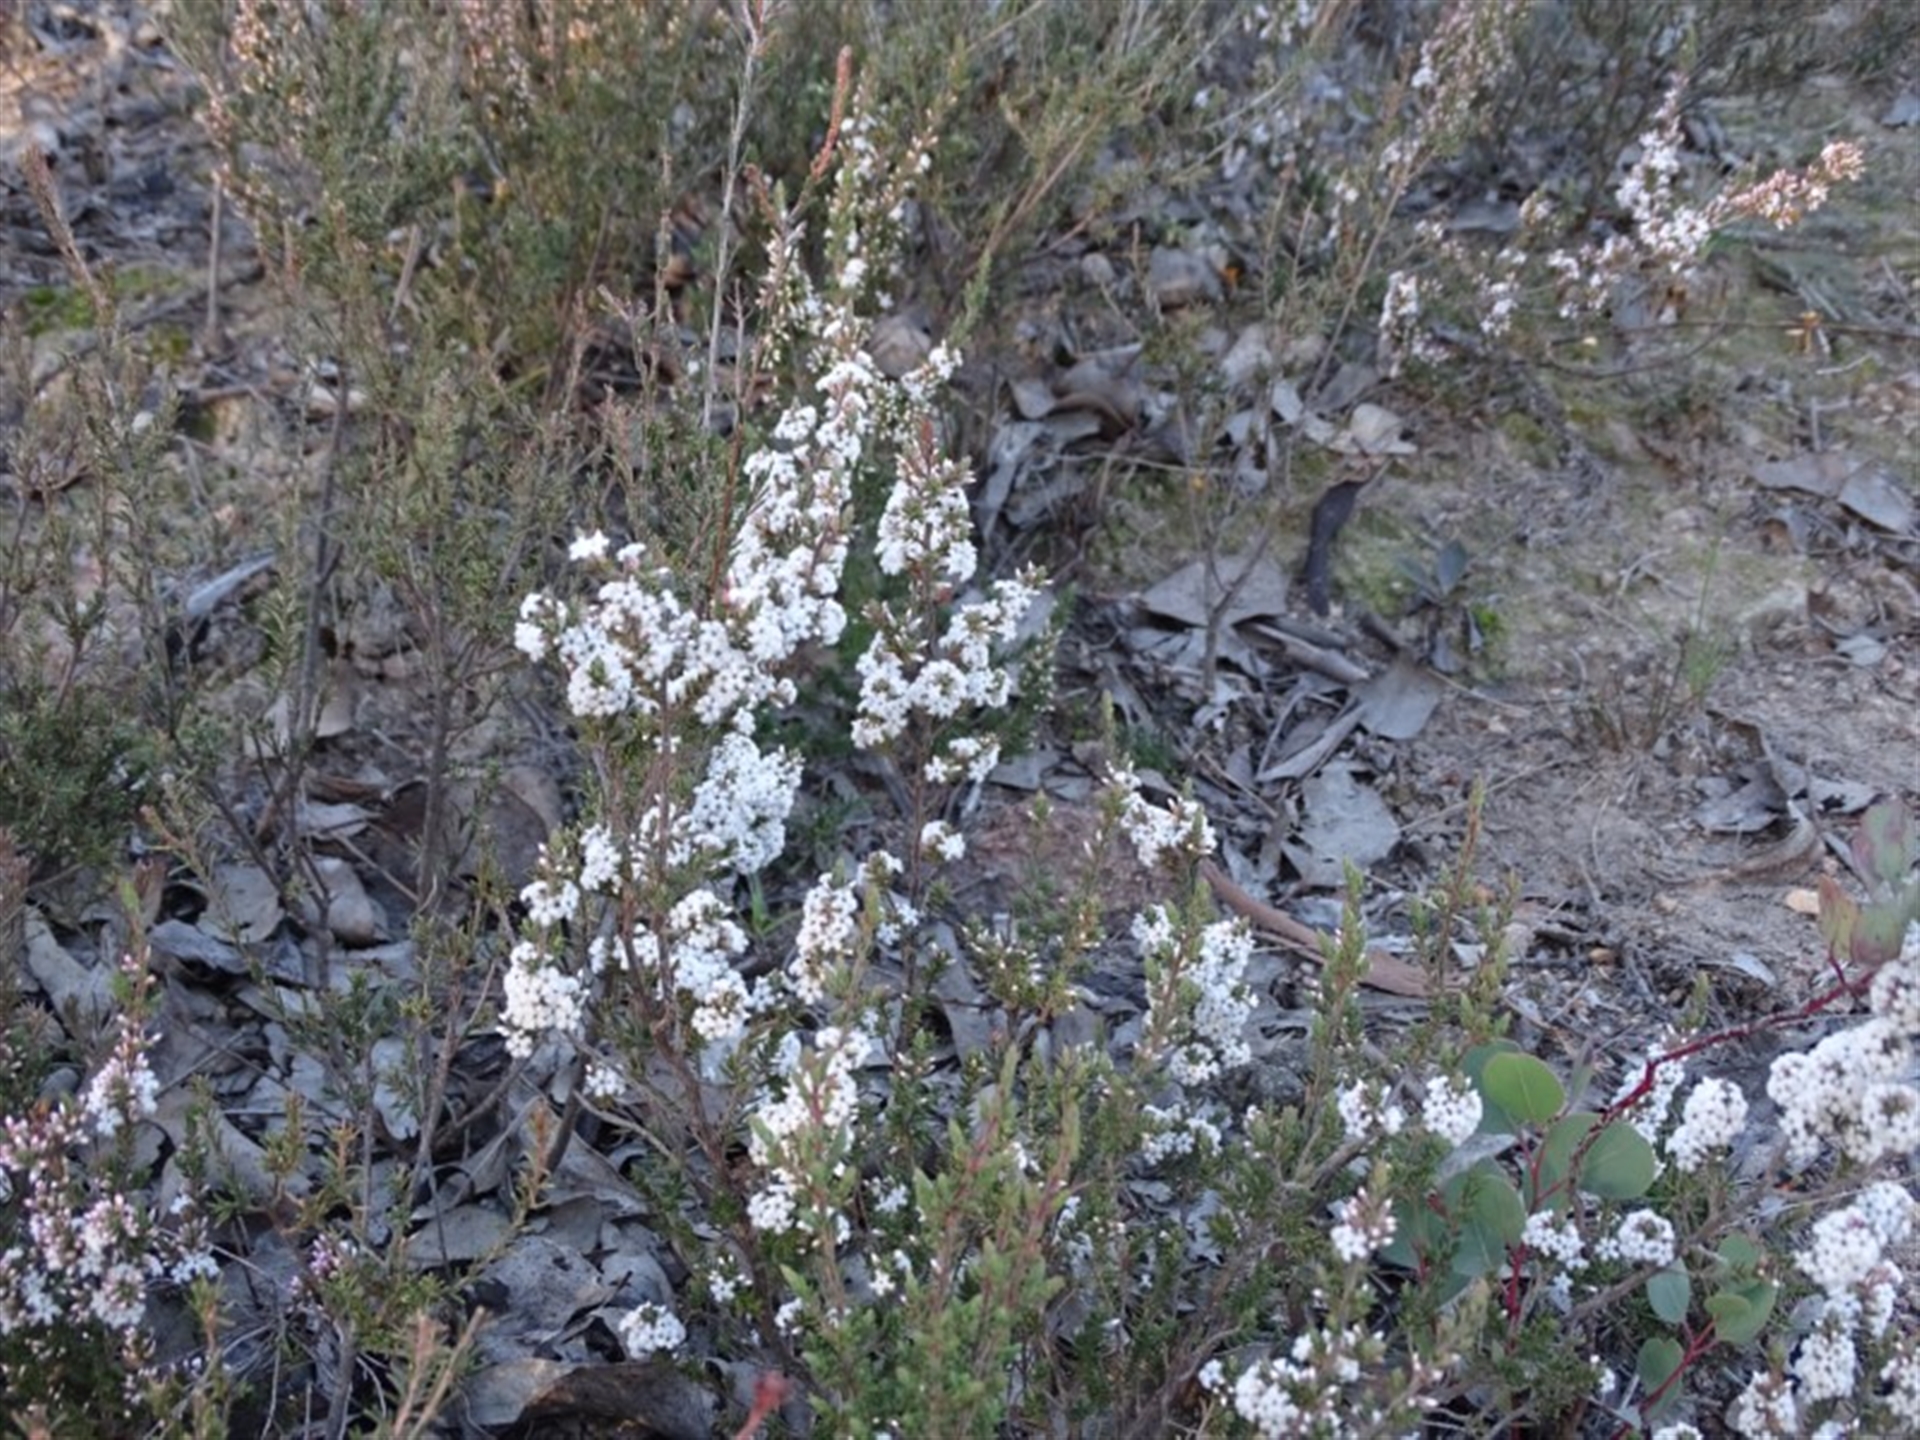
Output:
x=77 y=991
x=546 y=1285
x=352 y=918
x=1177 y=278
x=1397 y=703
x=1879 y=499
x=1343 y=821
x=1240 y=587
x=1250 y=355
x=457 y=1235
x=193 y=946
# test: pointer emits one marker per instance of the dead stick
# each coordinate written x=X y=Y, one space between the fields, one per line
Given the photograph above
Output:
x=1384 y=972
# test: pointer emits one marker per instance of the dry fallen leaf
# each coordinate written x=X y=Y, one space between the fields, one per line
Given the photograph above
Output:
x=1802 y=901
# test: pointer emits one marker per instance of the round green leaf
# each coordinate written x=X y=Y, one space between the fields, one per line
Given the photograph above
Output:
x=1494 y=1120
x=1738 y=1253
x=1659 y=1358
x=1416 y=1232
x=1740 y=1312
x=1479 y=1251
x=1497 y=1205
x=1524 y=1087
x=1620 y=1164
x=1556 y=1155
x=1730 y=1311
x=1669 y=1292
x=1489 y=1213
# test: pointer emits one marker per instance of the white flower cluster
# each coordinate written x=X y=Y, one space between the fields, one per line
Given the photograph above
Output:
x=694 y=959
x=1451 y=1109
x=1668 y=236
x=1900 y=1386
x=1825 y=1364
x=1180 y=829
x=1364 y=1223
x=811 y=1122
x=1308 y=1391
x=905 y=671
x=650 y=1328
x=1649 y=1113
x=1855 y=1087
x=604 y=1082
x=1175 y=1131
x=1895 y=993
x=1847 y=1247
x=1765 y=1409
x=1368 y=1112
x=927 y=524
x=1711 y=1119
x=829 y=933
x=1400 y=335
x=1197 y=994
x=885 y=1273
x=738 y=816
x=1556 y=1238
x=124 y=1091
x=941 y=840
x=541 y=999
x=636 y=649
x=1641 y=1238
x=83 y=1252
x=1847 y=1255
x=1669 y=233
x=726 y=1280
x=968 y=757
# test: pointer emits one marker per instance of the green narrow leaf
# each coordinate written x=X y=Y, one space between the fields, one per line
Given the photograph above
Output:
x=1619 y=1165
x=1670 y=1292
x=1524 y=1087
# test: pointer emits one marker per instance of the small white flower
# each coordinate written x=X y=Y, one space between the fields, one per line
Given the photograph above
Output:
x=1451 y=1109
x=1825 y=1364
x=1712 y=1118
x=1368 y=1113
x=1559 y=1240
x=1642 y=1238
x=1366 y=1224
x=941 y=839
x=1765 y=1409
x=650 y=1328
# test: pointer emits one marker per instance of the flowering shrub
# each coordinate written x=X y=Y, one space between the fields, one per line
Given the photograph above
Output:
x=82 y=1242
x=1001 y=1217
x=1657 y=250
x=1092 y=1211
